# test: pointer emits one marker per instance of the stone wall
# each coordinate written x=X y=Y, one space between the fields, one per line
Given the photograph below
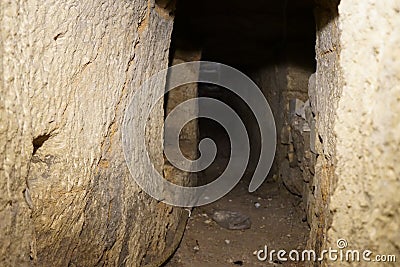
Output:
x=324 y=96
x=284 y=83
x=366 y=202
x=272 y=81
x=355 y=104
x=68 y=69
x=189 y=133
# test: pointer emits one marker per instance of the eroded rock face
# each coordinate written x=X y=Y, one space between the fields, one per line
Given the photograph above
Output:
x=69 y=70
x=324 y=92
x=366 y=203
x=356 y=137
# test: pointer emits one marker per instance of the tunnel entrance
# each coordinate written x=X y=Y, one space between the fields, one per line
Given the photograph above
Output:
x=274 y=44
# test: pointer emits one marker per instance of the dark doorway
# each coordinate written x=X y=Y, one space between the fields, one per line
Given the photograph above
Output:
x=273 y=43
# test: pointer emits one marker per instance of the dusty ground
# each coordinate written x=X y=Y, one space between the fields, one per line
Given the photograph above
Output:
x=277 y=223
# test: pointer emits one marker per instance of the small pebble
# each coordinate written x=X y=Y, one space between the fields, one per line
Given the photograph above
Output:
x=207 y=221
x=257 y=205
x=255 y=252
x=227 y=241
x=196 y=248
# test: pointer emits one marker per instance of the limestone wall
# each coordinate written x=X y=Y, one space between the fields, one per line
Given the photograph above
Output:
x=284 y=83
x=68 y=69
x=366 y=202
x=356 y=106
x=189 y=133
x=324 y=93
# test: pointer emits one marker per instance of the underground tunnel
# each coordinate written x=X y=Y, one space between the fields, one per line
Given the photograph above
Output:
x=81 y=152
x=274 y=44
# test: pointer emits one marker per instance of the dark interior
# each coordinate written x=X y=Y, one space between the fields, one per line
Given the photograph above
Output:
x=248 y=36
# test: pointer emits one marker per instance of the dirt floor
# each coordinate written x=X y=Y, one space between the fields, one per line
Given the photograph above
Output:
x=277 y=221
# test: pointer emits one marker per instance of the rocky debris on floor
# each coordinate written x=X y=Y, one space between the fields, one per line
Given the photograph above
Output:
x=196 y=248
x=277 y=224
x=232 y=220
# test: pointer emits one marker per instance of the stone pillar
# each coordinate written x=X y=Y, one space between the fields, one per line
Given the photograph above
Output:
x=366 y=202
x=68 y=70
x=189 y=135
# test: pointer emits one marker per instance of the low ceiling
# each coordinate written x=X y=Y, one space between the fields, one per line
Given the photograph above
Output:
x=245 y=33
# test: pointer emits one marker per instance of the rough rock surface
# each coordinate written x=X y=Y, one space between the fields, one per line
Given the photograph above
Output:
x=366 y=202
x=189 y=132
x=68 y=70
x=355 y=103
x=324 y=103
